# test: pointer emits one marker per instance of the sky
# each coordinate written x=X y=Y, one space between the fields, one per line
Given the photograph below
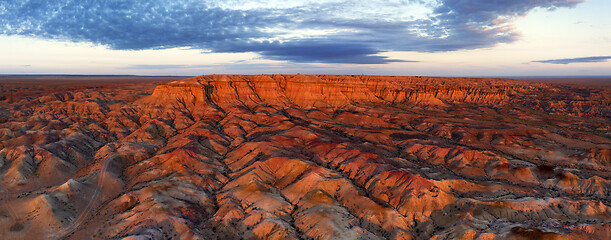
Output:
x=380 y=37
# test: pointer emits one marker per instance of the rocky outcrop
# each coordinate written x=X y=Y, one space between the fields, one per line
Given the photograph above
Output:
x=333 y=90
x=304 y=157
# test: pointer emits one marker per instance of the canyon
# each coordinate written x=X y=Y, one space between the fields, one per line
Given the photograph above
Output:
x=304 y=157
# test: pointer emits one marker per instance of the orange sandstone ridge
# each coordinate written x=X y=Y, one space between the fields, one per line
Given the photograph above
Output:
x=334 y=90
x=304 y=157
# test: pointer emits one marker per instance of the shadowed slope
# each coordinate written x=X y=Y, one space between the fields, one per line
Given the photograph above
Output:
x=307 y=157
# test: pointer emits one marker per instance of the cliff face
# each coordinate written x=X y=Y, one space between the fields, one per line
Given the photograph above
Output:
x=334 y=90
x=310 y=91
x=305 y=156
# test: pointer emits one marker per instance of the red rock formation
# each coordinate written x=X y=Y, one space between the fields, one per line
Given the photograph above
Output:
x=304 y=157
x=332 y=90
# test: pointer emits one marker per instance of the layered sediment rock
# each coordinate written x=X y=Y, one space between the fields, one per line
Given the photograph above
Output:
x=305 y=157
x=333 y=90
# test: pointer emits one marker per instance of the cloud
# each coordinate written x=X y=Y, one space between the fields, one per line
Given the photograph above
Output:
x=325 y=31
x=471 y=24
x=576 y=60
x=317 y=50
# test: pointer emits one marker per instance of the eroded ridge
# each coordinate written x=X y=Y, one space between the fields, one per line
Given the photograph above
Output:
x=306 y=157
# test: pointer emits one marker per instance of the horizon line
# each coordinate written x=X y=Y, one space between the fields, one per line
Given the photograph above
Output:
x=138 y=75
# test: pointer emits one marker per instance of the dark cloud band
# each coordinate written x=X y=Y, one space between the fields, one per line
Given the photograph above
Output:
x=576 y=60
x=139 y=24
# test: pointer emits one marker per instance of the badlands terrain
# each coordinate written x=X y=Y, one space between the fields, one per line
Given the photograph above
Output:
x=303 y=157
